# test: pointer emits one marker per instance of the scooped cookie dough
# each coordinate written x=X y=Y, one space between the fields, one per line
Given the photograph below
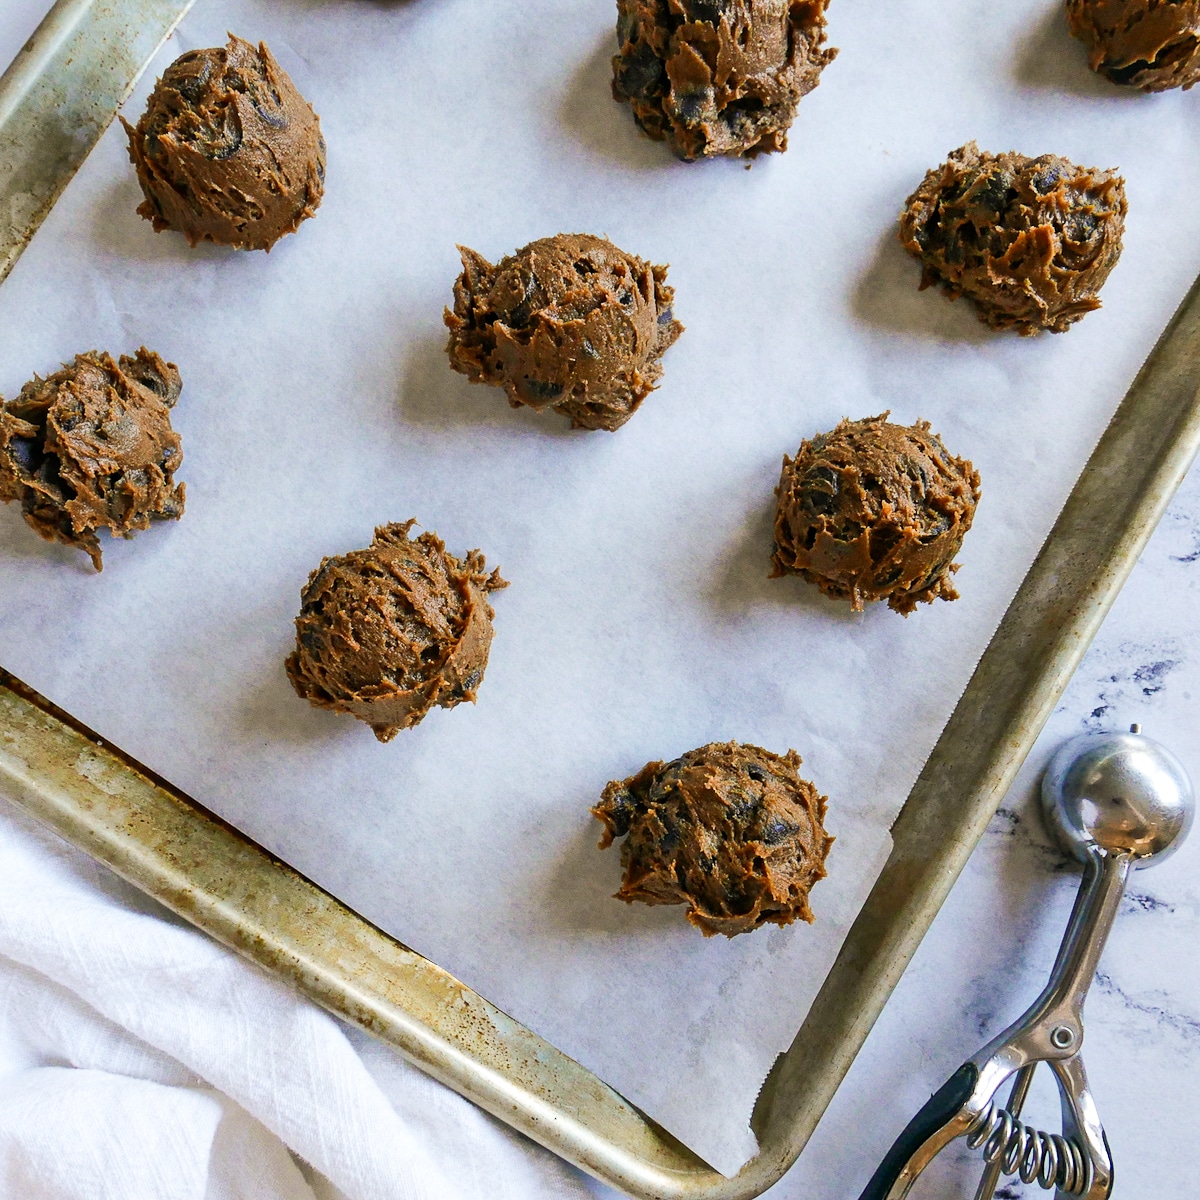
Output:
x=1029 y=240
x=875 y=511
x=91 y=447
x=569 y=323
x=388 y=632
x=1149 y=44
x=227 y=150
x=718 y=76
x=731 y=831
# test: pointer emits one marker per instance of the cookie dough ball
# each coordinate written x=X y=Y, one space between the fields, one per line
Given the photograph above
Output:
x=388 y=632
x=227 y=150
x=718 y=76
x=569 y=323
x=1149 y=44
x=875 y=511
x=731 y=831
x=1029 y=240
x=92 y=447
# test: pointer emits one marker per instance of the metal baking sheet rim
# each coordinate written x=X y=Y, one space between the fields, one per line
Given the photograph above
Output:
x=172 y=848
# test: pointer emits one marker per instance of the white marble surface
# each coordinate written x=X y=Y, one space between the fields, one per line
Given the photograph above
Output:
x=990 y=949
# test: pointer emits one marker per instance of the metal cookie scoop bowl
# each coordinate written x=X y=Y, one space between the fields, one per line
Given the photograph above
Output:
x=1120 y=792
x=1116 y=801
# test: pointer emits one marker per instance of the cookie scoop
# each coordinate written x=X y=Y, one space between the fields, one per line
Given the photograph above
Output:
x=718 y=77
x=731 y=831
x=91 y=447
x=389 y=632
x=569 y=323
x=1153 y=45
x=1030 y=241
x=228 y=151
x=875 y=511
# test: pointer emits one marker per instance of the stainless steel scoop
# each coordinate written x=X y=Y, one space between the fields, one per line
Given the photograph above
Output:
x=1116 y=801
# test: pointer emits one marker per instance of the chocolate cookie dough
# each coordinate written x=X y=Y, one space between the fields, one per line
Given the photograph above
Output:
x=92 y=447
x=731 y=831
x=388 y=632
x=718 y=76
x=1029 y=240
x=227 y=150
x=569 y=323
x=875 y=511
x=1149 y=44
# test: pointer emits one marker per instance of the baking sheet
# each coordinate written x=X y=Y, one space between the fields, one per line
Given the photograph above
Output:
x=640 y=622
x=17 y=22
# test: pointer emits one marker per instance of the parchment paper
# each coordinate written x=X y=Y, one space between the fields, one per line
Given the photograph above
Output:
x=640 y=622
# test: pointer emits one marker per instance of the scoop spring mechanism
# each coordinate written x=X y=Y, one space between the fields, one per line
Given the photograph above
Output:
x=1049 y=1159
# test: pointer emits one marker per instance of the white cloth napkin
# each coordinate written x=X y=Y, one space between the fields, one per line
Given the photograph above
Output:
x=139 y=1060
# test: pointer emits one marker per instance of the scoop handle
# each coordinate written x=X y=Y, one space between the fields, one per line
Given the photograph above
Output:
x=923 y=1137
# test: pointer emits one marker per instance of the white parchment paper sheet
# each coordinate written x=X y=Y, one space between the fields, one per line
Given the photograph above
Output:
x=640 y=622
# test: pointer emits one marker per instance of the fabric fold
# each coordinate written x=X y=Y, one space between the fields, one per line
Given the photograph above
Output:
x=140 y=1059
